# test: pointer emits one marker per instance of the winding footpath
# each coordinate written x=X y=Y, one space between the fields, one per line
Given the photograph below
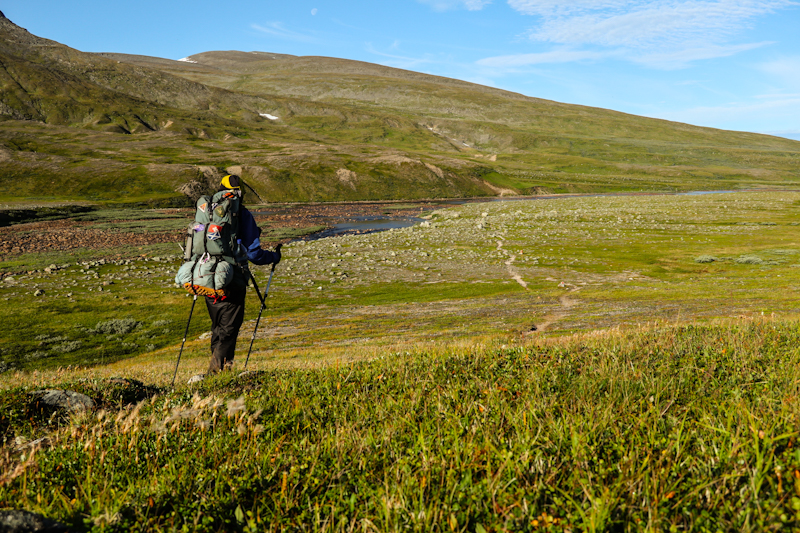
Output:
x=565 y=300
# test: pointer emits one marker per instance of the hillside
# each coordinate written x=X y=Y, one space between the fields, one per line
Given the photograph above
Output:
x=125 y=128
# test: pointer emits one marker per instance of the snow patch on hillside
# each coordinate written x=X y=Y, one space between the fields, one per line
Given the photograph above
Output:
x=267 y=115
x=187 y=60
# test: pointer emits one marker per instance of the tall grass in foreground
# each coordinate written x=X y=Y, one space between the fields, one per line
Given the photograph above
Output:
x=690 y=428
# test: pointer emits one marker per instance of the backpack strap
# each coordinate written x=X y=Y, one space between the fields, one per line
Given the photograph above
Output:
x=193 y=288
x=214 y=272
x=205 y=238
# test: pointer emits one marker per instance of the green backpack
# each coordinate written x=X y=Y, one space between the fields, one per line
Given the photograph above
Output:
x=212 y=247
x=215 y=226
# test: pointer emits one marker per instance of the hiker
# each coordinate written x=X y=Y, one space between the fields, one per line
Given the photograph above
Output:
x=227 y=313
x=221 y=241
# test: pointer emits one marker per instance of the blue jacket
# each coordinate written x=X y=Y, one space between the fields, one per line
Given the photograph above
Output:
x=249 y=233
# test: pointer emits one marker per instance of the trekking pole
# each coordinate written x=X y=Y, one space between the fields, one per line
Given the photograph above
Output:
x=185 y=334
x=263 y=305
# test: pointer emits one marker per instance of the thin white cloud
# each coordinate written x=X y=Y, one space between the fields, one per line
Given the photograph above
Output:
x=682 y=57
x=555 y=56
x=446 y=5
x=314 y=11
x=664 y=33
x=637 y=23
x=556 y=8
x=276 y=29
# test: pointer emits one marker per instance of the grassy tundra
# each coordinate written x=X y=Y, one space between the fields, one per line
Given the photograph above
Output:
x=584 y=364
x=84 y=127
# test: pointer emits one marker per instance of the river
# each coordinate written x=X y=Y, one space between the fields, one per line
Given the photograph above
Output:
x=360 y=218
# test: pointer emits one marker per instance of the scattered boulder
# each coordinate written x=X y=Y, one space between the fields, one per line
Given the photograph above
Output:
x=347 y=177
x=193 y=189
x=63 y=399
x=18 y=521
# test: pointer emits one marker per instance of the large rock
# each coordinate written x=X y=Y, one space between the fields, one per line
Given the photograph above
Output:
x=193 y=189
x=26 y=522
x=63 y=399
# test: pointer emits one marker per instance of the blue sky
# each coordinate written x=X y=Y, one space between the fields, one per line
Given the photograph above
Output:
x=730 y=64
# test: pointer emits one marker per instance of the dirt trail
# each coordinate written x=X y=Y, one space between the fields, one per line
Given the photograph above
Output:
x=513 y=273
x=566 y=304
x=565 y=300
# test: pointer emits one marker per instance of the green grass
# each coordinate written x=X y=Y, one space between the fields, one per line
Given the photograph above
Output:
x=63 y=322
x=279 y=234
x=617 y=260
x=400 y=385
x=687 y=428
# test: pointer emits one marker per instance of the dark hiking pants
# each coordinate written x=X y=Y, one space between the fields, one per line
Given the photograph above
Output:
x=226 y=319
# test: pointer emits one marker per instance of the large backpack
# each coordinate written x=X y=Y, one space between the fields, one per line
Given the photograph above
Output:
x=212 y=245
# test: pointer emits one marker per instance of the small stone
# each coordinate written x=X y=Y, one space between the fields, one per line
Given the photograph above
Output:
x=18 y=521
x=39 y=292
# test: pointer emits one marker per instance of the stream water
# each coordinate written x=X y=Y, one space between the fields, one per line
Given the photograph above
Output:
x=366 y=225
x=347 y=222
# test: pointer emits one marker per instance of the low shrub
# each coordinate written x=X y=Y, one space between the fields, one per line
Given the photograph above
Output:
x=749 y=260
x=705 y=259
x=118 y=326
